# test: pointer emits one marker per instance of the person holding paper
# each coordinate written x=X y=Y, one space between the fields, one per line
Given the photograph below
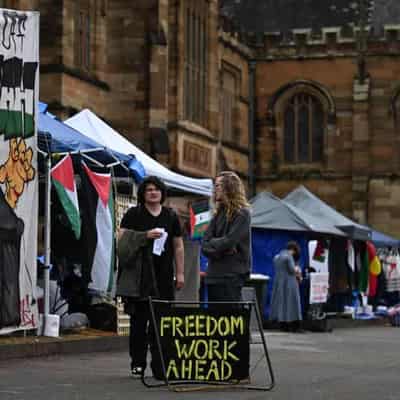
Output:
x=150 y=240
x=226 y=242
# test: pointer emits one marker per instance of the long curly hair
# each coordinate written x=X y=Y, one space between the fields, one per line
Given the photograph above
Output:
x=233 y=194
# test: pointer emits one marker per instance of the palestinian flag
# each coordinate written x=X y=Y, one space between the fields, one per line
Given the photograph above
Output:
x=98 y=229
x=200 y=216
x=320 y=252
x=63 y=179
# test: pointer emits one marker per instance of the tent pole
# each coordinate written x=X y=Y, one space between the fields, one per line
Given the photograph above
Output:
x=47 y=262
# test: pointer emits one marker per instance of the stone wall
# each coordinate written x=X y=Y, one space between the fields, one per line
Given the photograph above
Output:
x=197 y=149
x=271 y=77
x=135 y=82
x=360 y=167
x=383 y=210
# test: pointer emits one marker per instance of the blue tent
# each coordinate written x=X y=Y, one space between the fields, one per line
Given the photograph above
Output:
x=274 y=223
x=266 y=244
x=56 y=137
x=379 y=239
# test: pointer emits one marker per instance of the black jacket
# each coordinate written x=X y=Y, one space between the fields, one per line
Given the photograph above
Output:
x=136 y=278
x=227 y=244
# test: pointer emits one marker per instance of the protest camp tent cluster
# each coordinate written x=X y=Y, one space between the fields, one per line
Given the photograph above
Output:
x=57 y=139
x=347 y=271
x=346 y=245
x=275 y=222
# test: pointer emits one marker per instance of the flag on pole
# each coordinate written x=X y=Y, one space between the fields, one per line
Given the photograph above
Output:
x=62 y=175
x=98 y=229
x=200 y=216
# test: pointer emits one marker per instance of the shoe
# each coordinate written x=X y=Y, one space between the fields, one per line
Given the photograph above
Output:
x=137 y=372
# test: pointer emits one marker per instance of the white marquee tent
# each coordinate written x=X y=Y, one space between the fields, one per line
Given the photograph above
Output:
x=95 y=128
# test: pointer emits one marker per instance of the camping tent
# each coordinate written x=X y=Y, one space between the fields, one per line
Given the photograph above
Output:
x=379 y=239
x=274 y=223
x=57 y=137
x=308 y=202
x=92 y=126
x=269 y=212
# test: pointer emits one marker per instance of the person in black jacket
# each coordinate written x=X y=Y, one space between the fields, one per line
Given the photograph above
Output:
x=149 y=273
x=226 y=242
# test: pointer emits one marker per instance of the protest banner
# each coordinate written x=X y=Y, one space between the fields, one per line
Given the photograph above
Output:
x=319 y=285
x=204 y=345
x=19 y=66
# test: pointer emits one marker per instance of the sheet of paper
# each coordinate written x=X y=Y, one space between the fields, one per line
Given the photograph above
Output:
x=158 y=246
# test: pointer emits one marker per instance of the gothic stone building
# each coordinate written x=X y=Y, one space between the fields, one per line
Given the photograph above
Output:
x=161 y=72
x=327 y=101
x=286 y=92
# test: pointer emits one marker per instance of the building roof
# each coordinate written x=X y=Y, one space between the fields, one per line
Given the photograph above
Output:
x=285 y=15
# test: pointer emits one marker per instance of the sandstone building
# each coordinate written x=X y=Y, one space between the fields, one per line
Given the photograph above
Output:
x=327 y=101
x=285 y=92
x=161 y=72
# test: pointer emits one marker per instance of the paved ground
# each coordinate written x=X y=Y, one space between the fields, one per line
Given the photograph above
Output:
x=348 y=364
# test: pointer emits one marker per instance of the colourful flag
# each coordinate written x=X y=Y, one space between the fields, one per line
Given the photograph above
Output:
x=320 y=252
x=200 y=216
x=62 y=175
x=98 y=229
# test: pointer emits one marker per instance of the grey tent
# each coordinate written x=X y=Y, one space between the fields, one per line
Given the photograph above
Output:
x=305 y=200
x=269 y=212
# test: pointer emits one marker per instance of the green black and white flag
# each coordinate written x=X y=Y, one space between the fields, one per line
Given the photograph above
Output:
x=62 y=175
x=200 y=216
x=98 y=229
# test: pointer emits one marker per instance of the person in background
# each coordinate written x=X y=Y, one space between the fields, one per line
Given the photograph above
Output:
x=144 y=271
x=226 y=243
x=285 y=300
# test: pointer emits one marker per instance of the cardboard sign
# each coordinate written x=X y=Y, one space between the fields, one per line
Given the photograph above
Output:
x=203 y=344
x=319 y=285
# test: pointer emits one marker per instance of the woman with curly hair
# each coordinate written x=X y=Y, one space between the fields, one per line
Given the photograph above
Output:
x=226 y=242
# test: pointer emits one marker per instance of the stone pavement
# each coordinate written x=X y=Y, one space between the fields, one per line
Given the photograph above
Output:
x=84 y=341
x=347 y=364
x=89 y=340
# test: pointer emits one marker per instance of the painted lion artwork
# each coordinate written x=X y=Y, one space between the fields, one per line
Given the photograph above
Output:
x=17 y=170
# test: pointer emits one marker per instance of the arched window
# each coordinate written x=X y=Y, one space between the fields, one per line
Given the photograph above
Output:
x=304 y=122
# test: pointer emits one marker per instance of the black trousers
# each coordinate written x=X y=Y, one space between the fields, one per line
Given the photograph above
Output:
x=142 y=337
x=226 y=288
x=139 y=333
